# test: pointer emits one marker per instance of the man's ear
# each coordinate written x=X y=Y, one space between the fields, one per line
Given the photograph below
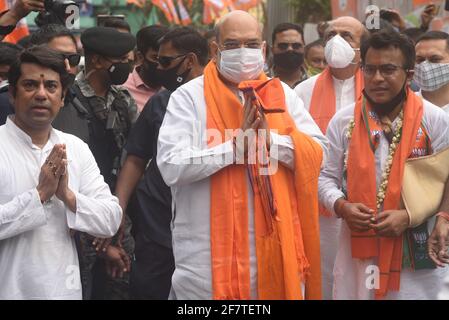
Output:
x=96 y=63
x=264 y=50
x=139 y=58
x=192 y=60
x=214 y=50
x=64 y=92
x=410 y=75
x=11 y=94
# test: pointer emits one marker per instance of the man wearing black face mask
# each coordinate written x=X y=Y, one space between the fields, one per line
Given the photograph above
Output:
x=153 y=265
x=288 y=54
x=103 y=117
x=144 y=81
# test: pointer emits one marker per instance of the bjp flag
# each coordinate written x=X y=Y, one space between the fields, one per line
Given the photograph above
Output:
x=184 y=14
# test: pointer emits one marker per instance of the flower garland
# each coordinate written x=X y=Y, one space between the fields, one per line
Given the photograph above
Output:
x=392 y=150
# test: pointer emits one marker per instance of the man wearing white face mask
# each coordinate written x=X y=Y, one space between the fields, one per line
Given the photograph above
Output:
x=432 y=68
x=337 y=86
x=239 y=234
x=432 y=75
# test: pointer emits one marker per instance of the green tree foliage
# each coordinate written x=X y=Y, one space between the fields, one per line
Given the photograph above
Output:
x=311 y=10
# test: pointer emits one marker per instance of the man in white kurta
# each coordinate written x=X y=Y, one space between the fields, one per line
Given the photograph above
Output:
x=46 y=195
x=38 y=258
x=190 y=182
x=187 y=164
x=344 y=88
x=352 y=275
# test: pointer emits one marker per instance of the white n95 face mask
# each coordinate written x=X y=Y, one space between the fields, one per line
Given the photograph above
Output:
x=431 y=76
x=339 y=54
x=241 y=64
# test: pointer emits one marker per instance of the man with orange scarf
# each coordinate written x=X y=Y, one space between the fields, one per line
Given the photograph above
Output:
x=379 y=256
x=338 y=86
x=239 y=232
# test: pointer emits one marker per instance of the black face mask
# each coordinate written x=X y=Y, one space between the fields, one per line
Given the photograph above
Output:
x=151 y=75
x=383 y=109
x=119 y=72
x=290 y=60
x=170 y=78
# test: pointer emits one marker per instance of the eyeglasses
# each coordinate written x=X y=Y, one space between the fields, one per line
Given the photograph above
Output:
x=231 y=45
x=74 y=59
x=386 y=70
x=165 y=61
x=285 y=45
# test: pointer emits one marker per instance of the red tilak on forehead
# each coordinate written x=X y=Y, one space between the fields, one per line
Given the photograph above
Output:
x=42 y=75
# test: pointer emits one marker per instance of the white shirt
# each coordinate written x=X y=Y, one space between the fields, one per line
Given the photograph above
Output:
x=350 y=274
x=344 y=91
x=38 y=258
x=185 y=118
x=329 y=227
x=444 y=108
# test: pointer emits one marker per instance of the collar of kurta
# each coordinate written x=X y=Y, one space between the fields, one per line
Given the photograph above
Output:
x=18 y=133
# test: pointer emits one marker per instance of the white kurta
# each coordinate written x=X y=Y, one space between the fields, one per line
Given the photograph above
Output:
x=329 y=226
x=38 y=258
x=185 y=119
x=444 y=108
x=350 y=274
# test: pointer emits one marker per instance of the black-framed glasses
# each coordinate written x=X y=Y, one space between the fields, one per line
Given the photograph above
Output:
x=285 y=45
x=165 y=61
x=386 y=70
x=73 y=58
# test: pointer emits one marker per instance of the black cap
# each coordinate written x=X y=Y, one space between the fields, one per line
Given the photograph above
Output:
x=107 y=42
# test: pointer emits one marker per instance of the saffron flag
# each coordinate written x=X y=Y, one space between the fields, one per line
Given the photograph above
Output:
x=173 y=11
x=246 y=4
x=138 y=3
x=162 y=4
x=184 y=15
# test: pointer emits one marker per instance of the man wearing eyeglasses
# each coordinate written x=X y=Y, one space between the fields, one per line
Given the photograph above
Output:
x=339 y=85
x=288 y=54
x=379 y=255
x=239 y=232
x=182 y=56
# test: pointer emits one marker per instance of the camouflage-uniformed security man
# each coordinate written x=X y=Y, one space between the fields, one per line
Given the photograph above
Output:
x=101 y=113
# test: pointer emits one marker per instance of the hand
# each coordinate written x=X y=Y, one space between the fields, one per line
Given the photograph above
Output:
x=251 y=121
x=117 y=262
x=428 y=15
x=51 y=172
x=357 y=215
x=264 y=126
x=392 y=223
x=101 y=245
x=438 y=244
x=21 y=8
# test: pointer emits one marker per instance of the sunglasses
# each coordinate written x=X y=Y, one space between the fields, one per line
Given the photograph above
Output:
x=285 y=45
x=166 y=61
x=74 y=59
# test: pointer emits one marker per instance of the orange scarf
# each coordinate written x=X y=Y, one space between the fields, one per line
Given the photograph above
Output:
x=287 y=245
x=361 y=168
x=323 y=106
